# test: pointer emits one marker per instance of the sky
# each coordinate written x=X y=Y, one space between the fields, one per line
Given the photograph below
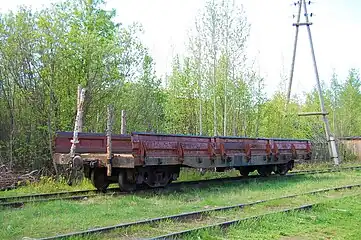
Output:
x=336 y=33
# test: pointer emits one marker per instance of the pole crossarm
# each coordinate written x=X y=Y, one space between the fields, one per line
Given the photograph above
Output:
x=312 y=113
x=302 y=24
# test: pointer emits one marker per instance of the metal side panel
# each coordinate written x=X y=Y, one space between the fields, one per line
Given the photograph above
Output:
x=91 y=143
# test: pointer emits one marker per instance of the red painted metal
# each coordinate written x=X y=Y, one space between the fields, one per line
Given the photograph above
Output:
x=161 y=146
x=308 y=148
x=275 y=151
x=143 y=145
x=247 y=147
x=92 y=143
x=268 y=150
x=211 y=150
x=180 y=152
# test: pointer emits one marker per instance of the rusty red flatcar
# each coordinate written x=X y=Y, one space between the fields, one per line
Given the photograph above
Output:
x=156 y=159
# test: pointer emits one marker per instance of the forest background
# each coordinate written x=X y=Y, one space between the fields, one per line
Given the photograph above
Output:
x=45 y=54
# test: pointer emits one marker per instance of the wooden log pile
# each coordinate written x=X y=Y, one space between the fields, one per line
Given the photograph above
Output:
x=10 y=179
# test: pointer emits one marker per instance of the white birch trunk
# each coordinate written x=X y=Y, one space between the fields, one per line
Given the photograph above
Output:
x=78 y=120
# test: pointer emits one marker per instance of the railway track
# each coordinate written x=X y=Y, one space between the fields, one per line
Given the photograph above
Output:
x=176 y=235
x=17 y=201
x=194 y=214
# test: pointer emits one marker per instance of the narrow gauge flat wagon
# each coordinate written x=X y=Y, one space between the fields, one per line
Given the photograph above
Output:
x=156 y=159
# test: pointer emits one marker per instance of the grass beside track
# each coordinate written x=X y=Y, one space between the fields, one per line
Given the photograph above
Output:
x=166 y=227
x=338 y=219
x=47 y=185
x=51 y=218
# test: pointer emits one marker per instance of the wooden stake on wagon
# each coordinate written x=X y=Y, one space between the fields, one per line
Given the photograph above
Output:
x=123 y=128
x=78 y=121
x=80 y=103
x=109 y=140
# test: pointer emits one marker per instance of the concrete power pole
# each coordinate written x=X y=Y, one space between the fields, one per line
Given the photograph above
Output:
x=330 y=139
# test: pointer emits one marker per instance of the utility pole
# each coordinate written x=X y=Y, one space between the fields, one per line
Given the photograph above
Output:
x=330 y=139
x=294 y=51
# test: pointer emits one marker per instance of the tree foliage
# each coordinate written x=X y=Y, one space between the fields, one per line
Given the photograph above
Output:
x=45 y=54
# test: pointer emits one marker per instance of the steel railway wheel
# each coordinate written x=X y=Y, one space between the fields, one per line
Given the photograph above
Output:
x=99 y=179
x=157 y=176
x=126 y=182
x=282 y=169
x=265 y=170
x=244 y=171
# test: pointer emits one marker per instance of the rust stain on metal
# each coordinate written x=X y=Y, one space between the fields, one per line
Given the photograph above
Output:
x=248 y=151
x=268 y=150
x=211 y=150
x=294 y=152
x=223 y=151
x=275 y=151
x=180 y=151
x=143 y=152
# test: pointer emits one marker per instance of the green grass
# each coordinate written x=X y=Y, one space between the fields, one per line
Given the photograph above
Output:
x=195 y=175
x=323 y=165
x=166 y=227
x=47 y=185
x=338 y=219
x=47 y=219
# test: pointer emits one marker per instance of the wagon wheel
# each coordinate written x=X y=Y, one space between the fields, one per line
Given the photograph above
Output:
x=282 y=169
x=244 y=171
x=265 y=171
x=75 y=171
x=76 y=178
x=99 y=179
x=124 y=183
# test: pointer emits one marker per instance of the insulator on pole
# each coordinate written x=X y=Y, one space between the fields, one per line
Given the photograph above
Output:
x=310 y=15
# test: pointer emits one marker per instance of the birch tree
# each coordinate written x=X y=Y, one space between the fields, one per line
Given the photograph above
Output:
x=223 y=29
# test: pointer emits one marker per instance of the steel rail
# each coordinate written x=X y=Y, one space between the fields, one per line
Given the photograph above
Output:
x=38 y=195
x=17 y=201
x=229 y=223
x=190 y=215
x=74 y=197
x=335 y=169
